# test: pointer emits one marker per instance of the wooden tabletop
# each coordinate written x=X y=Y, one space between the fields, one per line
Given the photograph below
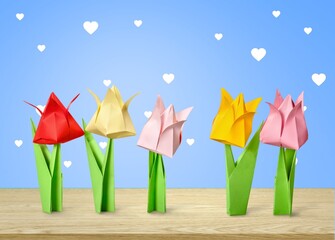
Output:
x=191 y=213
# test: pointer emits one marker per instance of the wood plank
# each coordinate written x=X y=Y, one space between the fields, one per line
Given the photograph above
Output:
x=191 y=213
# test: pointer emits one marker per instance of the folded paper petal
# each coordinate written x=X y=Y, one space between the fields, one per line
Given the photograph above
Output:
x=239 y=106
x=286 y=107
x=272 y=128
x=226 y=100
x=169 y=117
x=253 y=104
x=278 y=99
x=162 y=133
x=56 y=124
x=233 y=123
x=286 y=125
x=170 y=139
x=111 y=118
x=183 y=114
x=295 y=132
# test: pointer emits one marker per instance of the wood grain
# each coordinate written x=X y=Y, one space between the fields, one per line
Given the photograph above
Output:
x=191 y=213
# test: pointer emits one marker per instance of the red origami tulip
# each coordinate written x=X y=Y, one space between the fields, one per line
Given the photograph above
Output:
x=56 y=124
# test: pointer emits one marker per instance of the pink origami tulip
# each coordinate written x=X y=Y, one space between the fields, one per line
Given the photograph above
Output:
x=285 y=125
x=163 y=131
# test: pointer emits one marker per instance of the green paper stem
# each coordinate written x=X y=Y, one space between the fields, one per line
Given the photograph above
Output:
x=157 y=184
x=239 y=176
x=284 y=182
x=50 y=177
x=102 y=173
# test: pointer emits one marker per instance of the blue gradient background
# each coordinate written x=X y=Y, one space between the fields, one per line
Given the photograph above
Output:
x=176 y=37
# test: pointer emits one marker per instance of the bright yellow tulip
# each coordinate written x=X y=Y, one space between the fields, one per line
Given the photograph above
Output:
x=112 y=118
x=233 y=123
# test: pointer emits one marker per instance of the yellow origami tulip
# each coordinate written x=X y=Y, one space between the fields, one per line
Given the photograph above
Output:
x=112 y=118
x=233 y=123
x=232 y=126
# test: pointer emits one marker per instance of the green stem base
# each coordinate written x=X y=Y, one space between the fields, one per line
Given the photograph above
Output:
x=157 y=184
x=284 y=182
x=102 y=173
x=108 y=188
x=50 y=177
x=239 y=176
x=57 y=181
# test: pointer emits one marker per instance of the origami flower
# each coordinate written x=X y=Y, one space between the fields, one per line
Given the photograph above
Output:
x=161 y=135
x=285 y=125
x=56 y=124
x=233 y=123
x=112 y=118
x=163 y=131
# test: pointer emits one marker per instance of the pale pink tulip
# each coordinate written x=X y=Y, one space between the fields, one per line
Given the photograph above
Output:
x=163 y=131
x=285 y=125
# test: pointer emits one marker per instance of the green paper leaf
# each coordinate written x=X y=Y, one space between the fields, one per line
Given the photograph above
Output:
x=240 y=175
x=49 y=175
x=289 y=158
x=94 y=147
x=42 y=149
x=102 y=173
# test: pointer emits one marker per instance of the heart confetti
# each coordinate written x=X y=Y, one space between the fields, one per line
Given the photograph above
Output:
x=18 y=142
x=138 y=23
x=319 y=79
x=67 y=164
x=168 y=77
x=103 y=145
x=90 y=27
x=190 y=141
x=258 y=53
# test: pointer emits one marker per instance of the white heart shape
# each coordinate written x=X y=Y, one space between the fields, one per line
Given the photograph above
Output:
x=103 y=145
x=147 y=114
x=19 y=16
x=67 y=164
x=305 y=108
x=168 y=77
x=258 y=53
x=107 y=82
x=308 y=30
x=40 y=107
x=190 y=141
x=276 y=13
x=18 y=142
x=138 y=23
x=218 y=36
x=90 y=27
x=41 y=47
x=318 y=79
